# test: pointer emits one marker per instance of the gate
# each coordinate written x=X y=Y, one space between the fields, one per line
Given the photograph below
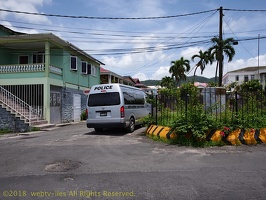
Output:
x=55 y=106
x=76 y=107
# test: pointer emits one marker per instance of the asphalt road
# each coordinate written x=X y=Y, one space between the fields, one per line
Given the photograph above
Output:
x=73 y=162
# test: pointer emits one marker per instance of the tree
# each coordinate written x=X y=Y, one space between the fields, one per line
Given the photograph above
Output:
x=178 y=69
x=204 y=60
x=226 y=47
x=167 y=82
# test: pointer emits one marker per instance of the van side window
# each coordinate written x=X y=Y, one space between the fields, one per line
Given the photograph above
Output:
x=133 y=97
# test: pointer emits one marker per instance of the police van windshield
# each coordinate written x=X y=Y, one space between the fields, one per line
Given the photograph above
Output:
x=104 y=99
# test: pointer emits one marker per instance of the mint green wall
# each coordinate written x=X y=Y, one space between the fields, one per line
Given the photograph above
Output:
x=94 y=80
x=9 y=57
x=56 y=76
x=58 y=58
x=75 y=77
x=21 y=75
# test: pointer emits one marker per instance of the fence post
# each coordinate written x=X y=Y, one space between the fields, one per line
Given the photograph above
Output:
x=236 y=104
x=186 y=104
x=156 y=110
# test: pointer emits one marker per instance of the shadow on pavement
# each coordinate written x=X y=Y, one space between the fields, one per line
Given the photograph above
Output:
x=112 y=132
x=109 y=132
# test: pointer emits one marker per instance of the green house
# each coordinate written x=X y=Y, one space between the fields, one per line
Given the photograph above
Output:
x=43 y=77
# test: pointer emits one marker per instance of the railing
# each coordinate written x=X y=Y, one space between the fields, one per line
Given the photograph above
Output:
x=246 y=107
x=22 y=68
x=28 y=68
x=16 y=105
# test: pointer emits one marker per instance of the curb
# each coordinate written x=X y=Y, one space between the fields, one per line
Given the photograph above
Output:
x=161 y=132
x=240 y=136
x=236 y=137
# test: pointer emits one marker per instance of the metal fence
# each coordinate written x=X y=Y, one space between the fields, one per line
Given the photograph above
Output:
x=24 y=99
x=213 y=102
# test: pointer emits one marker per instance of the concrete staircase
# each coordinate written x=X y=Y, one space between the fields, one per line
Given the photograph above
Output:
x=21 y=109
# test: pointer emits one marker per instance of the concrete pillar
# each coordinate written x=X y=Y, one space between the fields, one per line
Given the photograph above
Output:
x=46 y=87
x=46 y=100
x=47 y=58
x=109 y=78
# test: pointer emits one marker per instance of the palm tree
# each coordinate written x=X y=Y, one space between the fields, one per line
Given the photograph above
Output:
x=226 y=48
x=204 y=60
x=167 y=82
x=178 y=69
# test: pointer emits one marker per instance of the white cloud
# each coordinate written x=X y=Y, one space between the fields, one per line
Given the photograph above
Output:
x=141 y=76
x=25 y=6
x=134 y=62
x=234 y=65
x=160 y=73
x=251 y=62
x=189 y=52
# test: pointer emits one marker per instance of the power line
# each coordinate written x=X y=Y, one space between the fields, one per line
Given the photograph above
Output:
x=237 y=38
x=183 y=45
x=148 y=37
x=105 y=18
x=245 y=10
x=59 y=29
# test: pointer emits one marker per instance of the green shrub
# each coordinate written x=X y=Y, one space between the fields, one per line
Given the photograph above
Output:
x=83 y=116
x=5 y=131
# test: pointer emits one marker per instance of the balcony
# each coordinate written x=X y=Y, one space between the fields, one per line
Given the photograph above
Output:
x=25 y=68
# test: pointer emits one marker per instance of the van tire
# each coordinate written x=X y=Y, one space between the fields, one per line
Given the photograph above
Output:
x=131 y=126
x=98 y=130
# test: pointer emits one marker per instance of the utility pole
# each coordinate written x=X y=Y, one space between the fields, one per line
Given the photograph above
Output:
x=220 y=50
x=259 y=56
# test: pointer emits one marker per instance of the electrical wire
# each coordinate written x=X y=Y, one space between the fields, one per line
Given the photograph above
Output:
x=105 y=18
x=107 y=52
x=237 y=38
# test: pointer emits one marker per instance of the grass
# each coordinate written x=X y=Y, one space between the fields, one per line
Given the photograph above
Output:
x=5 y=131
x=188 y=142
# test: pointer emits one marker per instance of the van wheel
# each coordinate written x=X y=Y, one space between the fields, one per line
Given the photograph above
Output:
x=98 y=130
x=131 y=127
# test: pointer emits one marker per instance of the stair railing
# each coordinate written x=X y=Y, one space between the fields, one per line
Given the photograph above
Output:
x=16 y=104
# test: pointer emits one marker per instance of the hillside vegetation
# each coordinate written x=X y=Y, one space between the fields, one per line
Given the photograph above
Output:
x=189 y=79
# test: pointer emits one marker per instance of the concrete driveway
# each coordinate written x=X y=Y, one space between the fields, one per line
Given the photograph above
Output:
x=74 y=162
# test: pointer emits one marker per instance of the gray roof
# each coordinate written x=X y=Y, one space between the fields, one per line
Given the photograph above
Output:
x=17 y=40
x=250 y=69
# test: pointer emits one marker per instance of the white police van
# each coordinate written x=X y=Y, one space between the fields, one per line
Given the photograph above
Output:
x=115 y=105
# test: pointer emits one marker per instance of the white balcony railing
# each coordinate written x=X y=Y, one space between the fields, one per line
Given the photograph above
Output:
x=28 y=68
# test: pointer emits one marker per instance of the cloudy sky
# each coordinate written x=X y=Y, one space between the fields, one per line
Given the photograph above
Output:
x=123 y=35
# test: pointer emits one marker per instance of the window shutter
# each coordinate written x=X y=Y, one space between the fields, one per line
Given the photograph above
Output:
x=89 y=68
x=84 y=67
x=73 y=64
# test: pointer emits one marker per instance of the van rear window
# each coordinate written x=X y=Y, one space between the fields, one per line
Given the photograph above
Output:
x=104 y=99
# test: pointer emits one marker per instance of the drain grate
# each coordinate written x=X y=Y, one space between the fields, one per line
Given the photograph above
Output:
x=62 y=166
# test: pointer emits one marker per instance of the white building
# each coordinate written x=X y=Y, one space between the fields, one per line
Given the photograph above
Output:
x=246 y=74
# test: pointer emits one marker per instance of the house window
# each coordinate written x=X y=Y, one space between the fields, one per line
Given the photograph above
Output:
x=89 y=68
x=23 y=59
x=237 y=78
x=246 y=78
x=93 y=70
x=252 y=77
x=73 y=63
x=84 y=69
x=38 y=58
